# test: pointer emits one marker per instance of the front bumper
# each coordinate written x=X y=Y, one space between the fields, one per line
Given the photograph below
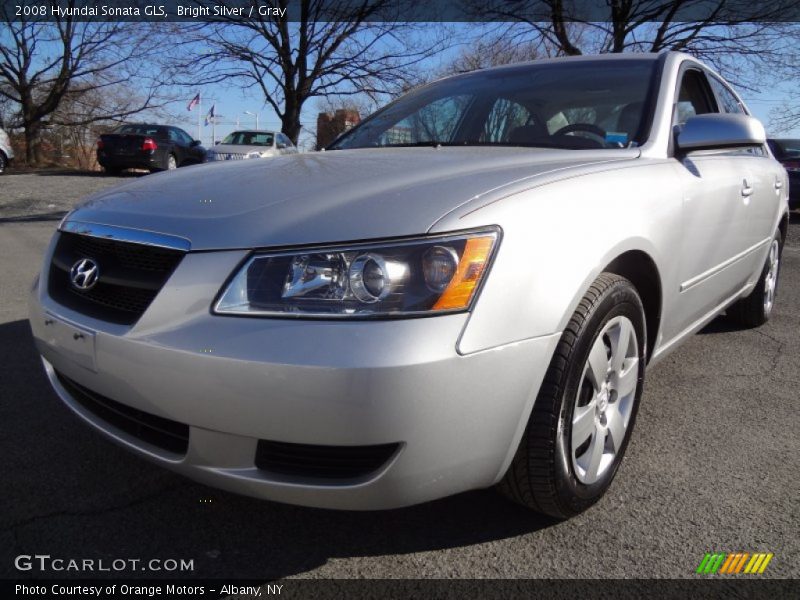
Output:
x=457 y=419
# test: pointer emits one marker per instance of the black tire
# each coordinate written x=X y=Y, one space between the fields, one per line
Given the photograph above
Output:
x=542 y=475
x=753 y=310
x=3 y=163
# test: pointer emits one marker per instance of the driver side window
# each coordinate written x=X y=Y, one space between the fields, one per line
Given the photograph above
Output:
x=184 y=137
x=694 y=97
x=504 y=117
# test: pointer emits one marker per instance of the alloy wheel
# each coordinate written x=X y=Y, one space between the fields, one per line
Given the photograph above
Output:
x=771 y=280
x=605 y=399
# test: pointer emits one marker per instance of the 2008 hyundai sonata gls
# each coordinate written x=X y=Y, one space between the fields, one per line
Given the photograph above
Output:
x=463 y=291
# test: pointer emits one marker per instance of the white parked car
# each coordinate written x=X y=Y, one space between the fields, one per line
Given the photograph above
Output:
x=465 y=290
x=241 y=145
x=6 y=151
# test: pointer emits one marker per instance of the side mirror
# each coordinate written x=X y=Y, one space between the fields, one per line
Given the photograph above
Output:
x=714 y=130
x=195 y=143
x=218 y=142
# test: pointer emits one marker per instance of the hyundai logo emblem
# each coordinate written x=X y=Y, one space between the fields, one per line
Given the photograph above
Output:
x=84 y=274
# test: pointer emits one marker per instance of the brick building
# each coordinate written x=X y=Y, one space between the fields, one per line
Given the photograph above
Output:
x=329 y=126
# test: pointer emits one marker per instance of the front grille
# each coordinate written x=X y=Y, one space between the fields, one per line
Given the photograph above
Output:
x=166 y=434
x=215 y=156
x=324 y=462
x=131 y=275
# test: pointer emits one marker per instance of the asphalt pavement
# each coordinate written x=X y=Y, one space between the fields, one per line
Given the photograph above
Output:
x=713 y=465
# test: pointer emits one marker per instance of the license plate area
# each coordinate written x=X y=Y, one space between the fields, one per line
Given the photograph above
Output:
x=70 y=341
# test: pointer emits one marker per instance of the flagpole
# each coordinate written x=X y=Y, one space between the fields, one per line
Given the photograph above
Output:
x=214 y=128
x=199 y=115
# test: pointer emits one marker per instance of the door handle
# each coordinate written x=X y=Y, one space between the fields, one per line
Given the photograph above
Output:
x=747 y=189
x=778 y=184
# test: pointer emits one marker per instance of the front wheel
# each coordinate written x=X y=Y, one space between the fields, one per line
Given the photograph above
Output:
x=172 y=164
x=3 y=163
x=755 y=309
x=586 y=407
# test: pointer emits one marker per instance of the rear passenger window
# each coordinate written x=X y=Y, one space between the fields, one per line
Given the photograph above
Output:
x=728 y=102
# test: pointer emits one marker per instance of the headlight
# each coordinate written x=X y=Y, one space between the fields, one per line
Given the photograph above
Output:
x=413 y=277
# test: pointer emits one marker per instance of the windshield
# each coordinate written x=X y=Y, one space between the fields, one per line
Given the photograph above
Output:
x=570 y=105
x=249 y=138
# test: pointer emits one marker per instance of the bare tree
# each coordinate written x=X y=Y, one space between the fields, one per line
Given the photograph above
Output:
x=40 y=62
x=785 y=117
x=335 y=47
x=737 y=37
x=88 y=110
x=490 y=50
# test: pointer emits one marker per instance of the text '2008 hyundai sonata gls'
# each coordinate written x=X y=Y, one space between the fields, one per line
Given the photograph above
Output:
x=463 y=291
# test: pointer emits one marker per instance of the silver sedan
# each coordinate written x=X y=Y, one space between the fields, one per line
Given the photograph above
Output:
x=241 y=145
x=464 y=291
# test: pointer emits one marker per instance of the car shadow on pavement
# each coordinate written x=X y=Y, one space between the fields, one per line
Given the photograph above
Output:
x=721 y=324
x=99 y=174
x=71 y=493
x=56 y=215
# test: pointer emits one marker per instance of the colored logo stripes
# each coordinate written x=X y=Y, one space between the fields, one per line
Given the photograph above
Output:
x=734 y=563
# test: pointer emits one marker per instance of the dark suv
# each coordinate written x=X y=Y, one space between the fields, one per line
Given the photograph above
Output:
x=787 y=151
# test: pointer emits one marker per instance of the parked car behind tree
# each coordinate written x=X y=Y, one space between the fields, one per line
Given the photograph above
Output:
x=241 y=145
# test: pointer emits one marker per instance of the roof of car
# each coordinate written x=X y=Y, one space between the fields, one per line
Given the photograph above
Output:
x=254 y=131
x=611 y=57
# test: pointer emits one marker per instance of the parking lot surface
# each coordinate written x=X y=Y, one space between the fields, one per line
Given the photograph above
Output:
x=49 y=194
x=713 y=465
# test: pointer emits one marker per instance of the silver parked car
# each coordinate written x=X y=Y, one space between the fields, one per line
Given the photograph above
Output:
x=465 y=290
x=241 y=145
x=6 y=151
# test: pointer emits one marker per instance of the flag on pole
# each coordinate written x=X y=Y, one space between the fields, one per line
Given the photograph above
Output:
x=193 y=102
x=210 y=116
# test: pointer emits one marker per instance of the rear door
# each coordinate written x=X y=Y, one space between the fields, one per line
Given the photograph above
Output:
x=717 y=192
x=194 y=152
x=178 y=146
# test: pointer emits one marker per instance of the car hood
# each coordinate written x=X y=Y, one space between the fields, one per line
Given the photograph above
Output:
x=238 y=149
x=343 y=195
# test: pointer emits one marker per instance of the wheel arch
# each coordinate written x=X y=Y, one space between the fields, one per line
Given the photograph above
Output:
x=640 y=269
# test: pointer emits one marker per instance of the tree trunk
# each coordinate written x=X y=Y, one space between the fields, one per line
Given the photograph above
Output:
x=290 y=120
x=32 y=143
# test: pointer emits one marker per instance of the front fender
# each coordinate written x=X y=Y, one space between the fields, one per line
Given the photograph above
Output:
x=558 y=237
